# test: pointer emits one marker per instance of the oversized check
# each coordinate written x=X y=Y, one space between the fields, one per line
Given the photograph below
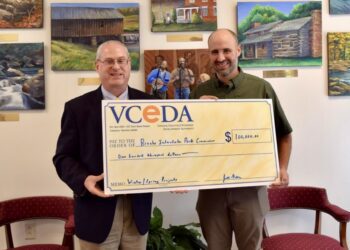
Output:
x=162 y=145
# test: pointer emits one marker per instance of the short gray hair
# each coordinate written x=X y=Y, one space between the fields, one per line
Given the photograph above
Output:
x=116 y=42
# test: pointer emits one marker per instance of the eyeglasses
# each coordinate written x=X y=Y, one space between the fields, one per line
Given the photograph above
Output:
x=111 y=62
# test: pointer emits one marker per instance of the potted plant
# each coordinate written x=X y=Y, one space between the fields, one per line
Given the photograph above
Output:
x=181 y=237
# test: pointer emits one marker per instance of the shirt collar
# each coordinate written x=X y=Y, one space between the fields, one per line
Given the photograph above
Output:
x=109 y=96
x=233 y=83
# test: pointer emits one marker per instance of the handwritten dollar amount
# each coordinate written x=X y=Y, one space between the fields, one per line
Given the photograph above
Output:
x=246 y=136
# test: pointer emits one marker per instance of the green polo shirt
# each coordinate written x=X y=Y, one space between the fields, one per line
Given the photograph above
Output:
x=245 y=86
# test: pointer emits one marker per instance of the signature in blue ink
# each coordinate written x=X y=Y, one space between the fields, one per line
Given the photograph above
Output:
x=230 y=177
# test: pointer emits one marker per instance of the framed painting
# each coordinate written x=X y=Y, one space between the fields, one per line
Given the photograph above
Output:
x=183 y=15
x=338 y=7
x=22 y=79
x=78 y=28
x=338 y=63
x=182 y=69
x=275 y=34
x=21 y=14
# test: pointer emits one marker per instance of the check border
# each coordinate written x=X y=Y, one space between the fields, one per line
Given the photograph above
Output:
x=190 y=185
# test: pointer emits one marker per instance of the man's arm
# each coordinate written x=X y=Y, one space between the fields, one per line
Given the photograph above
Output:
x=284 y=145
x=167 y=77
x=66 y=159
x=151 y=77
x=174 y=76
x=191 y=76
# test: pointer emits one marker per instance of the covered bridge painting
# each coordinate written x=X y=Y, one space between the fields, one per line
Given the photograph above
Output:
x=86 y=25
x=298 y=38
x=78 y=29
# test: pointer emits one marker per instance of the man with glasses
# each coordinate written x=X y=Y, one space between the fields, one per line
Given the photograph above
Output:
x=101 y=221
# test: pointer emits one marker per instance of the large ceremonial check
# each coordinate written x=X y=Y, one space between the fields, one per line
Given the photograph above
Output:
x=162 y=145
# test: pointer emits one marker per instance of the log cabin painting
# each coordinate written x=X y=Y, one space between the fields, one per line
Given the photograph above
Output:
x=280 y=33
x=78 y=29
x=183 y=15
x=338 y=63
x=22 y=79
x=21 y=14
x=197 y=60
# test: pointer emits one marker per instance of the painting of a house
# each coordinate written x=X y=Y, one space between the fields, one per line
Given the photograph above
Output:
x=183 y=15
x=22 y=79
x=338 y=63
x=205 y=9
x=283 y=39
x=78 y=29
x=21 y=14
x=258 y=42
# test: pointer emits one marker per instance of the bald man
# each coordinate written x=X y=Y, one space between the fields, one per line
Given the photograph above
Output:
x=239 y=210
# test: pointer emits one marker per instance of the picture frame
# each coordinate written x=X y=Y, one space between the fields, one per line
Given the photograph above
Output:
x=277 y=34
x=197 y=60
x=183 y=15
x=24 y=14
x=22 y=76
x=339 y=7
x=338 y=47
x=77 y=29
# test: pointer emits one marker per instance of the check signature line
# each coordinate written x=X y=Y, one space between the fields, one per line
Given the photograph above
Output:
x=245 y=178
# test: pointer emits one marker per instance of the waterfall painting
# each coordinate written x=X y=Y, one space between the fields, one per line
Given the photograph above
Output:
x=22 y=79
x=338 y=63
x=338 y=7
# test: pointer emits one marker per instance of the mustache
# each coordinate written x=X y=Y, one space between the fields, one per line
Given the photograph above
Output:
x=223 y=61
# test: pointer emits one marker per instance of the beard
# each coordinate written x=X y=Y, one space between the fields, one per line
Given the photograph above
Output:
x=227 y=71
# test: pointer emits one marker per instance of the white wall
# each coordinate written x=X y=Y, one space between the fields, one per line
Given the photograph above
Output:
x=320 y=138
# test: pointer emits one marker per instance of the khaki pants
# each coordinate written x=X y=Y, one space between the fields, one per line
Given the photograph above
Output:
x=124 y=234
x=238 y=210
